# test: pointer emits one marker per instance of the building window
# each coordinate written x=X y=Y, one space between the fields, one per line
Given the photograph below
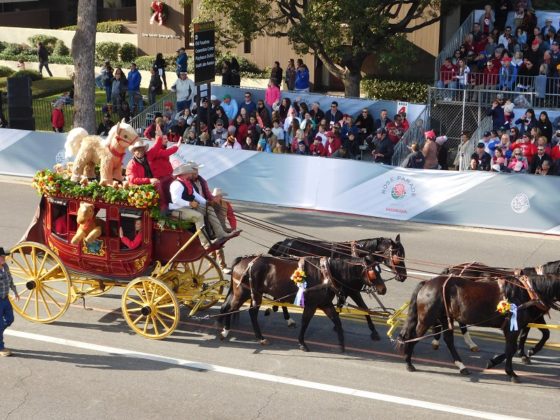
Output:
x=247 y=46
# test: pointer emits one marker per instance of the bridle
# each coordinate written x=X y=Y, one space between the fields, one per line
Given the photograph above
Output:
x=391 y=255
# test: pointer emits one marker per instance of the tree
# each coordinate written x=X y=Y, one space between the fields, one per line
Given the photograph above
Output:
x=83 y=53
x=342 y=33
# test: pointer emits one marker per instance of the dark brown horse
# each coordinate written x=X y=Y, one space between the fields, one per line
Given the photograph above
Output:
x=476 y=270
x=380 y=250
x=254 y=276
x=449 y=298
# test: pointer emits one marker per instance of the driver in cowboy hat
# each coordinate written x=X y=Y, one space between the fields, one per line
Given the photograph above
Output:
x=184 y=205
x=6 y=311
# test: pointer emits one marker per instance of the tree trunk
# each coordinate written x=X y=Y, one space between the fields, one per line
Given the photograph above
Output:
x=351 y=81
x=83 y=53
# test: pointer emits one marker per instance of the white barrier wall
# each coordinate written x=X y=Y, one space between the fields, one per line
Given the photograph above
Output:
x=481 y=199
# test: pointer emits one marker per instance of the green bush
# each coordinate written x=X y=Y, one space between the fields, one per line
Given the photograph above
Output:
x=48 y=41
x=13 y=49
x=145 y=62
x=394 y=90
x=3 y=45
x=6 y=71
x=107 y=51
x=245 y=66
x=35 y=75
x=61 y=49
x=128 y=52
x=111 y=26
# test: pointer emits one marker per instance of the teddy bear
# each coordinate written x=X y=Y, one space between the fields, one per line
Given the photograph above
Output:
x=88 y=227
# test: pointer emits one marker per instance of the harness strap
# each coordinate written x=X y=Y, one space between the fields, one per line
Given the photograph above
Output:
x=353 y=249
x=449 y=320
x=326 y=272
x=526 y=282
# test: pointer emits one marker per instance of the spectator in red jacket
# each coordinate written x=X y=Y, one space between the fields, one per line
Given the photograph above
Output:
x=447 y=74
x=317 y=148
x=57 y=117
x=527 y=148
x=333 y=144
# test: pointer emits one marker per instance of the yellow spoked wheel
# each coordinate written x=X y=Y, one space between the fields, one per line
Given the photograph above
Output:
x=92 y=288
x=41 y=280
x=206 y=284
x=150 y=308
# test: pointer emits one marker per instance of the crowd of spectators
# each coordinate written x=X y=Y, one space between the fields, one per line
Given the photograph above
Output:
x=522 y=57
x=283 y=126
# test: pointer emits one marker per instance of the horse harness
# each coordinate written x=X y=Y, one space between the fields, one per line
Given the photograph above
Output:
x=119 y=140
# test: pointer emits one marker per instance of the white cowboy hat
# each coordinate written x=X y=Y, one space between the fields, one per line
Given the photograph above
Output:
x=195 y=165
x=139 y=144
x=219 y=191
x=185 y=168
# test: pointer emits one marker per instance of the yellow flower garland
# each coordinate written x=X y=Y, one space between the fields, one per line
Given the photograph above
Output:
x=503 y=307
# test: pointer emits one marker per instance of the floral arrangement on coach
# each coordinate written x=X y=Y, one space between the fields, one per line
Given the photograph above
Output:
x=48 y=183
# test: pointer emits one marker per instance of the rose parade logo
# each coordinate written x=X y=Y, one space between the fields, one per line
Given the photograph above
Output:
x=399 y=187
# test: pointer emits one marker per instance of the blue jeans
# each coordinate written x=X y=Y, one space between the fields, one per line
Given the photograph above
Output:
x=6 y=318
x=181 y=105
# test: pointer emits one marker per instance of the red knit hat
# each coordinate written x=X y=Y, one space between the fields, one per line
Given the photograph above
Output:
x=430 y=134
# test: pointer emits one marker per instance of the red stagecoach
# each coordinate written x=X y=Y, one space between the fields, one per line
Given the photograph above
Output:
x=166 y=267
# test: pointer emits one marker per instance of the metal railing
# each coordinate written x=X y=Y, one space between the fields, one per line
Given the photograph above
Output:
x=415 y=134
x=454 y=43
x=42 y=112
x=140 y=121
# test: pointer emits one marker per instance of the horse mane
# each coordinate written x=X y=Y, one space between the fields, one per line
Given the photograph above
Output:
x=344 y=270
x=548 y=289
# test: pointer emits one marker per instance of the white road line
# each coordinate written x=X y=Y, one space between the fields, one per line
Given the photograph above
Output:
x=207 y=367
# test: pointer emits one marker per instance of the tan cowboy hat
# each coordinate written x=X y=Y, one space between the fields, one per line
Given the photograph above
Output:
x=219 y=191
x=185 y=168
x=138 y=145
x=195 y=165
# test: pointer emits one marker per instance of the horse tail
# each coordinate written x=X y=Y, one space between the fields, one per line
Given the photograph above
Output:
x=73 y=141
x=408 y=330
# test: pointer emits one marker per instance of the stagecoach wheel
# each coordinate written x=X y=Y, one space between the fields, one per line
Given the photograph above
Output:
x=207 y=283
x=150 y=308
x=42 y=282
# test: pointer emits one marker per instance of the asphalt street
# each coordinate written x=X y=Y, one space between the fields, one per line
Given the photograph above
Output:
x=88 y=364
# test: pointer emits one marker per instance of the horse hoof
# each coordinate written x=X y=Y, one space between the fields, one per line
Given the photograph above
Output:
x=291 y=323
x=264 y=342
x=410 y=368
x=515 y=379
x=489 y=364
x=475 y=349
x=303 y=347
x=267 y=312
x=465 y=372
x=531 y=353
x=525 y=360
x=435 y=346
x=375 y=336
